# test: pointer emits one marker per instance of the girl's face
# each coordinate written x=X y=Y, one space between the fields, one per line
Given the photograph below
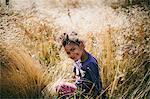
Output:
x=74 y=51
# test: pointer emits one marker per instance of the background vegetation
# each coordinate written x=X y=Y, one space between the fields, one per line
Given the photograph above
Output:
x=116 y=32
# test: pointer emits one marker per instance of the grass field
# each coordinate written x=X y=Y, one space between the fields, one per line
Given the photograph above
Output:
x=33 y=61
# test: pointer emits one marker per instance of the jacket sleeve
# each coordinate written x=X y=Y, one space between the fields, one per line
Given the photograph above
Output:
x=93 y=71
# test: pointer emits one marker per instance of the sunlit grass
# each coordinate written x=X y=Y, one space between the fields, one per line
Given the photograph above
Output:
x=20 y=75
x=122 y=50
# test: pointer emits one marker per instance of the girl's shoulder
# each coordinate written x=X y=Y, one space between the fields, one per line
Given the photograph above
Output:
x=91 y=59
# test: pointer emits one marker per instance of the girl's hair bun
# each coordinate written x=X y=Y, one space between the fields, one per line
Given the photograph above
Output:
x=67 y=38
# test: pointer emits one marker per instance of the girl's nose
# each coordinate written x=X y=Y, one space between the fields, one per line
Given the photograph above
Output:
x=72 y=56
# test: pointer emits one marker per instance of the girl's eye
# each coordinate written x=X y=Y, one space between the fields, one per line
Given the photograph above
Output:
x=72 y=49
x=68 y=53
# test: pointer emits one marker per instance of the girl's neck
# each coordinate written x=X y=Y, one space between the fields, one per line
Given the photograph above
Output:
x=84 y=56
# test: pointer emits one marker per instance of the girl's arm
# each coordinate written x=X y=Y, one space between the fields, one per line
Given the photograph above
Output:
x=93 y=71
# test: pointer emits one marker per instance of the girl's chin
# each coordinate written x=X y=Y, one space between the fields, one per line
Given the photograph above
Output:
x=76 y=60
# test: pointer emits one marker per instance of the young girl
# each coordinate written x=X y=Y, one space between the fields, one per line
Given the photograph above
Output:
x=86 y=70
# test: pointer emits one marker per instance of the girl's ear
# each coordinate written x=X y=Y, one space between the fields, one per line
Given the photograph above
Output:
x=81 y=45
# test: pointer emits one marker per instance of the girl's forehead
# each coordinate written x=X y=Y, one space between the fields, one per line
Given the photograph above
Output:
x=71 y=45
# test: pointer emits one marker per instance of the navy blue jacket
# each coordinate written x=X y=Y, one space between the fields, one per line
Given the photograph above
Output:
x=88 y=75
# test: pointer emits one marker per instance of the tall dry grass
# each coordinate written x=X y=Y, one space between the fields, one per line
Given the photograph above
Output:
x=126 y=78
x=21 y=76
x=122 y=50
